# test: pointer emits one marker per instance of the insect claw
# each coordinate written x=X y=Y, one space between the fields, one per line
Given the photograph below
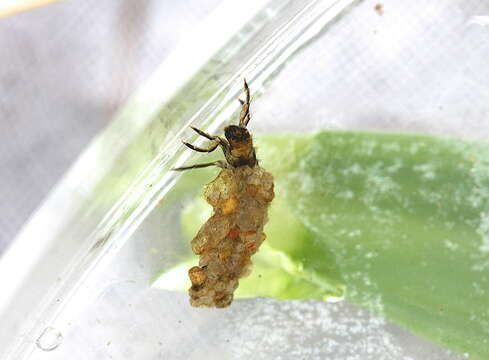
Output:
x=189 y=145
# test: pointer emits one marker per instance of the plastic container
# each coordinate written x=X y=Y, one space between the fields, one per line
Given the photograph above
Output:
x=77 y=281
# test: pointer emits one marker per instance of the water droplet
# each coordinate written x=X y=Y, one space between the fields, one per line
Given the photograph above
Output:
x=49 y=339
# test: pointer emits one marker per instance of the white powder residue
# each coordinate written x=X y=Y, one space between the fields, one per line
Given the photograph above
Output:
x=354 y=169
x=483 y=231
x=382 y=184
x=371 y=254
x=354 y=233
x=393 y=146
x=427 y=171
x=430 y=196
x=478 y=290
x=414 y=148
x=450 y=245
x=307 y=184
x=367 y=147
x=392 y=169
x=479 y=200
x=346 y=194
x=481 y=266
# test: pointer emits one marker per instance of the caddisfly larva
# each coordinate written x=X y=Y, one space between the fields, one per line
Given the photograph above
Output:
x=240 y=196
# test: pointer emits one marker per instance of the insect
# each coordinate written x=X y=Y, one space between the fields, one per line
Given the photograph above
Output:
x=240 y=196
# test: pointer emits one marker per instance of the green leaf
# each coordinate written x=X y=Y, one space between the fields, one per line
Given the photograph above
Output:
x=399 y=221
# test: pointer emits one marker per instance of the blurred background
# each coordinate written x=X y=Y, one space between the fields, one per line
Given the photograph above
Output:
x=66 y=68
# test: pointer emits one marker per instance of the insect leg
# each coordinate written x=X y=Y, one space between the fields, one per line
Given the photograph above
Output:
x=199 y=149
x=203 y=133
x=247 y=91
x=219 y=163
x=244 y=116
x=220 y=140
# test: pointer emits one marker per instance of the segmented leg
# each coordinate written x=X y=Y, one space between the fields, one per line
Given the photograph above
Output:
x=220 y=164
x=244 y=116
x=204 y=134
x=199 y=149
x=220 y=140
x=217 y=141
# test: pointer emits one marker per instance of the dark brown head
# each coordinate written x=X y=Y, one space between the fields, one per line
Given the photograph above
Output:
x=237 y=134
x=241 y=145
